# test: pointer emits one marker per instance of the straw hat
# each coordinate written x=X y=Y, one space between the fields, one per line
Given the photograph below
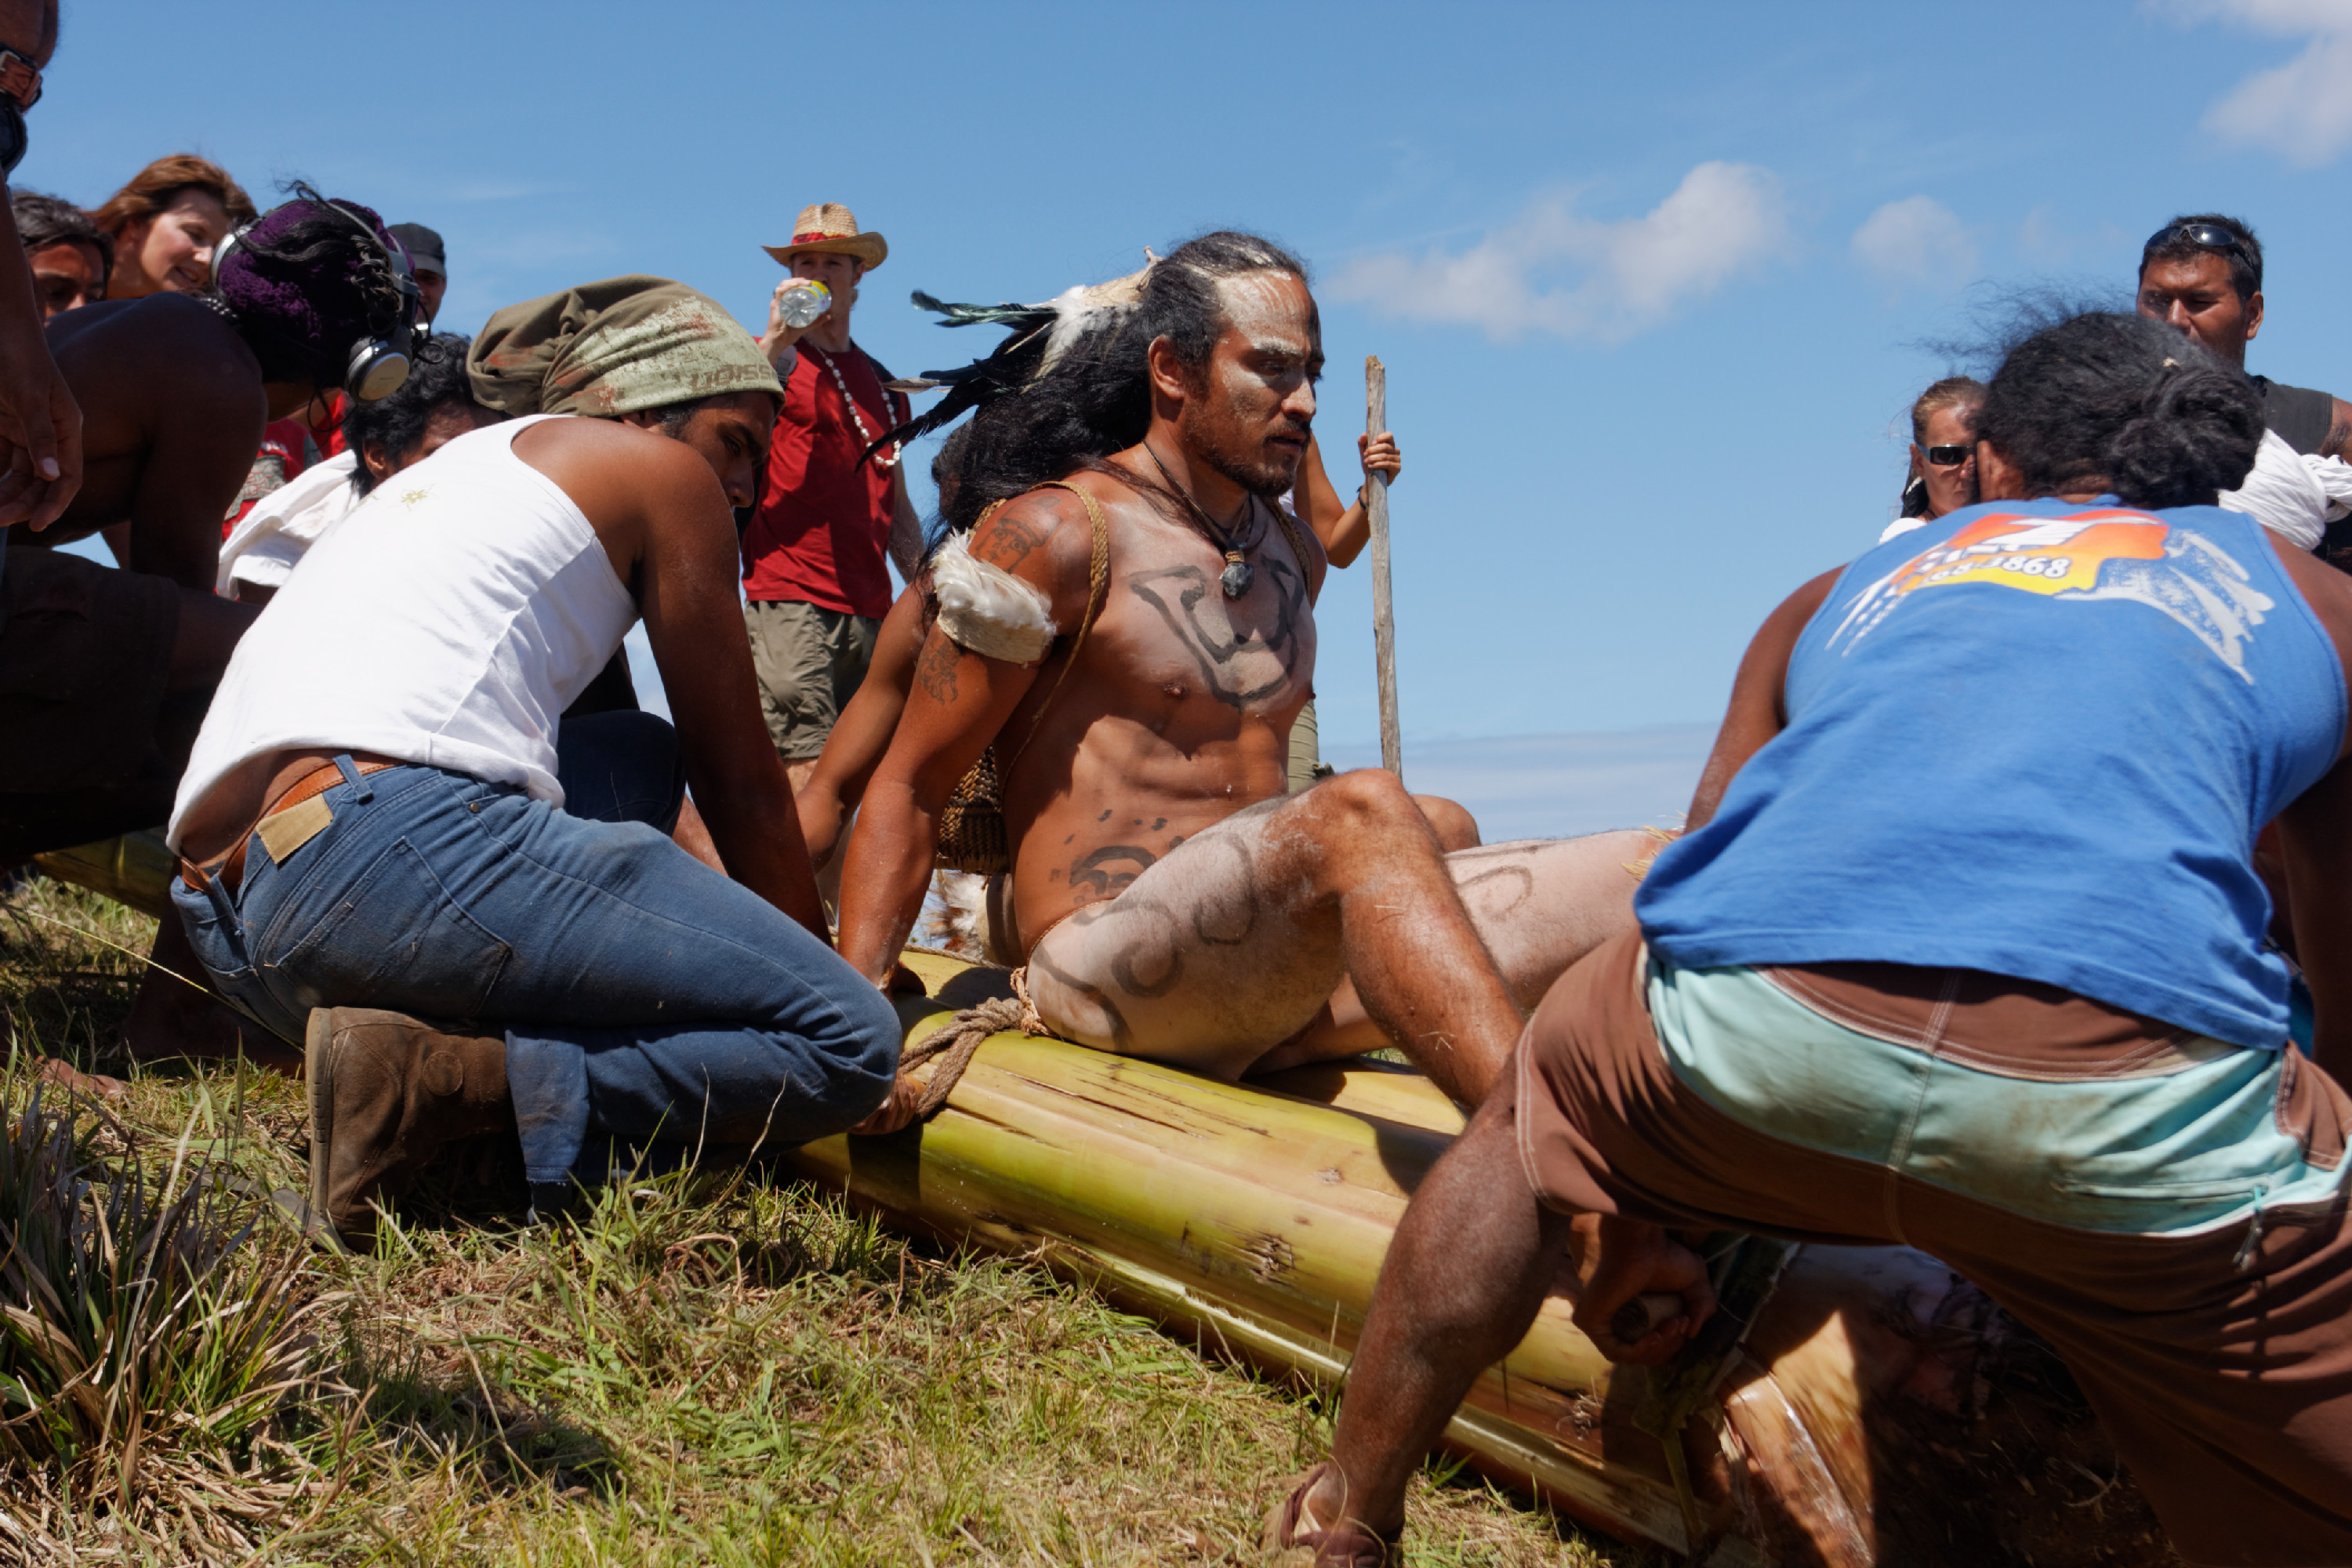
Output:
x=832 y=227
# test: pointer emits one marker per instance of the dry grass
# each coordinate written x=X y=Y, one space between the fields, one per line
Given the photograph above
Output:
x=724 y=1369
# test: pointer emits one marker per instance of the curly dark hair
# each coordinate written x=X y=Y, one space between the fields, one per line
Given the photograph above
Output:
x=2126 y=402
x=437 y=379
x=1097 y=400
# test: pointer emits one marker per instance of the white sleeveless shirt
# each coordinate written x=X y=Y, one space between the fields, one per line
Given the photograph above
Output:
x=449 y=620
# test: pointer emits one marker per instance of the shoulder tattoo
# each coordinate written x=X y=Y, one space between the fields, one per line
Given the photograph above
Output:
x=1010 y=541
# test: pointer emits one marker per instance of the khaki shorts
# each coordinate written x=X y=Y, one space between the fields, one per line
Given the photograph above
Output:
x=2214 y=1337
x=810 y=662
x=1306 y=750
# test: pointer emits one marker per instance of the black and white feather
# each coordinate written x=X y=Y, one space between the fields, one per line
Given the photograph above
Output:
x=1039 y=336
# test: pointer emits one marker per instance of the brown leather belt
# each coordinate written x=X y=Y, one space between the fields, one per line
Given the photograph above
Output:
x=291 y=835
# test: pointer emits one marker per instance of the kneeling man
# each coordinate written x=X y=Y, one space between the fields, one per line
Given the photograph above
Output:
x=1966 y=950
x=384 y=856
x=1132 y=628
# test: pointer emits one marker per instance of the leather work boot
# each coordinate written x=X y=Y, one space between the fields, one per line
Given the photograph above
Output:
x=386 y=1093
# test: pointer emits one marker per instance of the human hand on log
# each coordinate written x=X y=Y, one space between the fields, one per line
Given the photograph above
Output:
x=901 y=1109
x=1378 y=455
x=1642 y=1294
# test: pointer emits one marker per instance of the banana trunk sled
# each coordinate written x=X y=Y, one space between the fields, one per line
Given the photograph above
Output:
x=1847 y=1406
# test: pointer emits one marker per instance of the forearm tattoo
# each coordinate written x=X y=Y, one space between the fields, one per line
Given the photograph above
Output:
x=937 y=669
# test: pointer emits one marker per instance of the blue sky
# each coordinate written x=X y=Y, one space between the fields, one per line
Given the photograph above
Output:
x=1647 y=279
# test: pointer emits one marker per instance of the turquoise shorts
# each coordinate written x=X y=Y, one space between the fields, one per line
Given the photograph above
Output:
x=2188 y=1140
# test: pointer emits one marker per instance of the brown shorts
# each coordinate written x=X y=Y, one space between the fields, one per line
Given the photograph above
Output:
x=2220 y=1359
x=85 y=653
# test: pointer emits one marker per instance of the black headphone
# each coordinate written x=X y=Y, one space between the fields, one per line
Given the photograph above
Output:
x=14 y=137
x=377 y=366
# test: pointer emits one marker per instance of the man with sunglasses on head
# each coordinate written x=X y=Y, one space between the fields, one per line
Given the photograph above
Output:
x=2203 y=275
x=40 y=426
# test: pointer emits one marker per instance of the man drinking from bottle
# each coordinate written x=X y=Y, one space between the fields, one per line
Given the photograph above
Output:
x=813 y=574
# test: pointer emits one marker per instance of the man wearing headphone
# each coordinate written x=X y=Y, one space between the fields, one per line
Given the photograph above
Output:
x=105 y=675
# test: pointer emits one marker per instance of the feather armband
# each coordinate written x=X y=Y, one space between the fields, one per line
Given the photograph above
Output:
x=987 y=610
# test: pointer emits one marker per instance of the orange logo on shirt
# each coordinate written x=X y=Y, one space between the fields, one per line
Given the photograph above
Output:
x=2092 y=557
x=2038 y=555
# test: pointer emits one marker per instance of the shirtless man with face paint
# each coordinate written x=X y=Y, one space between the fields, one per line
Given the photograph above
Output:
x=1170 y=899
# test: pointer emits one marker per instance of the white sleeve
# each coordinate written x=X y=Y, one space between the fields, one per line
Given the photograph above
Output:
x=2284 y=494
x=266 y=564
x=285 y=523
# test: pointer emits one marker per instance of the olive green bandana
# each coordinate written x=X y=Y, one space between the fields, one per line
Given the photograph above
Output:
x=614 y=347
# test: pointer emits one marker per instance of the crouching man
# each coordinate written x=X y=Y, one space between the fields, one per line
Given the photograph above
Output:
x=384 y=857
x=1132 y=627
x=1965 y=949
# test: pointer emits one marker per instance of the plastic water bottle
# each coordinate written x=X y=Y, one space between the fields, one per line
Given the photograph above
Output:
x=801 y=302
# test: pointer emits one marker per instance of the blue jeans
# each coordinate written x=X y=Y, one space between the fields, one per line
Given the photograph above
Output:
x=643 y=996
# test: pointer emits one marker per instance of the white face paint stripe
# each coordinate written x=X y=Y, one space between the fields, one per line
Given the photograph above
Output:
x=1259 y=305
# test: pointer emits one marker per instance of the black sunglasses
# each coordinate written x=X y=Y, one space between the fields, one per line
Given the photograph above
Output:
x=1950 y=456
x=2206 y=236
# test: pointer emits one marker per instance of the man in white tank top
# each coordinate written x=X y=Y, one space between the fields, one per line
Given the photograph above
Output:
x=472 y=929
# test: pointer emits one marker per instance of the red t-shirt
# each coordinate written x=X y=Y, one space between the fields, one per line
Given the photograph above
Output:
x=822 y=531
x=329 y=439
x=281 y=460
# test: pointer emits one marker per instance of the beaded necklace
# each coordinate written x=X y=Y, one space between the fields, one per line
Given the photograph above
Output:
x=1234 y=580
x=897 y=448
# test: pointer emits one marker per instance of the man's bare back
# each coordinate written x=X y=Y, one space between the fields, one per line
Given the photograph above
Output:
x=172 y=406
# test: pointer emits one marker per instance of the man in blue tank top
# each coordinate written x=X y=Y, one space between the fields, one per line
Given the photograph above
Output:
x=1967 y=949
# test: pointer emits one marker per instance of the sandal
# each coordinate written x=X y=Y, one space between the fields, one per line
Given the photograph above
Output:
x=1346 y=1544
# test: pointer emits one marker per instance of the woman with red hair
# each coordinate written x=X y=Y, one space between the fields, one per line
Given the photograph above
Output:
x=165 y=223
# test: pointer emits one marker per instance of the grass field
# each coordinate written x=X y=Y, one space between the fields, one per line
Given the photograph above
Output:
x=719 y=1368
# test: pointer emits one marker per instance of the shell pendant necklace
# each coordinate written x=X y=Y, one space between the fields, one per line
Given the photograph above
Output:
x=1236 y=578
x=897 y=448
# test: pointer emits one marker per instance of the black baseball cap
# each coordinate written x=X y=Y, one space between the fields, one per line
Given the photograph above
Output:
x=423 y=247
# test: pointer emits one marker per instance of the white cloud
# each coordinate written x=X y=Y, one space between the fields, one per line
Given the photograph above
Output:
x=1917 y=240
x=1553 y=271
x=2302 y=110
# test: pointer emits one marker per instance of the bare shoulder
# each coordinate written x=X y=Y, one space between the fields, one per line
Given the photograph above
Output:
x=1314 y=560
x=617 y=457
x=2327 y=591
x=648 y=497
x=1044 y=536
x=169 y=338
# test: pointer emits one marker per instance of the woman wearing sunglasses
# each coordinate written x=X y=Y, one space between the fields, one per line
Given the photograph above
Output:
x=1943 y=454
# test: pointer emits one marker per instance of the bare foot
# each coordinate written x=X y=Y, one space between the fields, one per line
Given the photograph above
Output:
x=96 y=1086
x=176 y=1015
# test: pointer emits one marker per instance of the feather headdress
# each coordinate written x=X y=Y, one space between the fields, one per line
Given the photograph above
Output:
x=1040 y=335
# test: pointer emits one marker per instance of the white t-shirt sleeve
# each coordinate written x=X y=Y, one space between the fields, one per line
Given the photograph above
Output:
x=2292 y=494
x=284 y=524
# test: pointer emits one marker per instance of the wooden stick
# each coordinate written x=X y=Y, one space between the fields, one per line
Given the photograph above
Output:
x=1376 y=514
